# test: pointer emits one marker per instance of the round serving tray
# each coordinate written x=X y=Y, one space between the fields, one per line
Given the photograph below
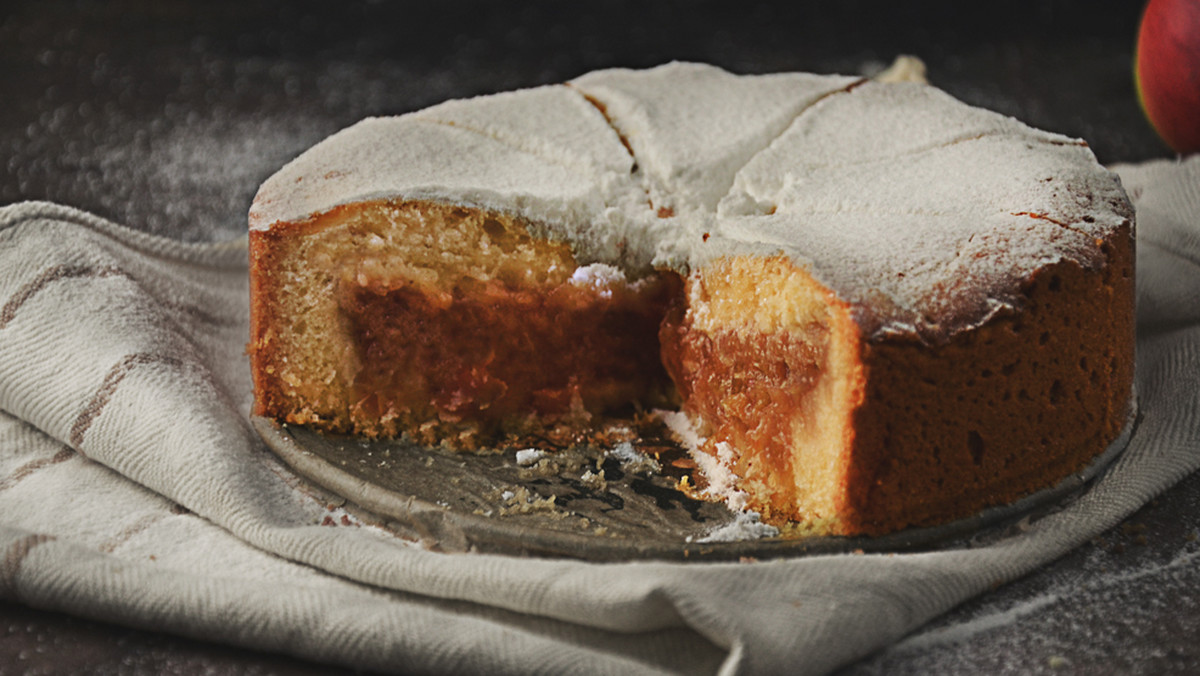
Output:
x=560 y=505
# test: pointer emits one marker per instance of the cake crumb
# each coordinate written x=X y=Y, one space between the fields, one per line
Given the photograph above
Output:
x=529 y=456
x=594 y=480
x=524 y=501
x=1128 y=528
x=632 y=461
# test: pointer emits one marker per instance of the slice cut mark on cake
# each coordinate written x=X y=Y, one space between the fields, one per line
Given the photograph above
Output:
x=690 y=141
x=552 y=122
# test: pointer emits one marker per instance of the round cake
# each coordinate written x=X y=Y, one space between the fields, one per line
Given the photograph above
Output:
x=873 y=306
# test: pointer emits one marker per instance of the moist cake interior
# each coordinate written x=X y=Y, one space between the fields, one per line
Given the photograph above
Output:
x=448 y=323
x=879 y=307
x=454 y=325
x=765 y=359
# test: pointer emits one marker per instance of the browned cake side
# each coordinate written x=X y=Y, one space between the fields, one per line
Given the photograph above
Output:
x=832 y=433
x=1001 y=411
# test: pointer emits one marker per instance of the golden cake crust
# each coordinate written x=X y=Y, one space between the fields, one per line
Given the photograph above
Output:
x=995 y=413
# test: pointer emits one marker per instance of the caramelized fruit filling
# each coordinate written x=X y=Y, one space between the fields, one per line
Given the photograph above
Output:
x=766 y=361
x=490 y=350
x=753 y=391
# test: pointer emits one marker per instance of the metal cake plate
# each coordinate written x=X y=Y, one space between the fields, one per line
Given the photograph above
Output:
x=561 y=505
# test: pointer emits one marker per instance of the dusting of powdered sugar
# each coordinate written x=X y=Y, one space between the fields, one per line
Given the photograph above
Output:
x=889 y=195
x=683 y=429
x=746 y=525
x=722 y=482
x=632 y=461
x=1066 y=592
x=529 y=456
x=1120 y=604
x=958 y=633
x=599 y=276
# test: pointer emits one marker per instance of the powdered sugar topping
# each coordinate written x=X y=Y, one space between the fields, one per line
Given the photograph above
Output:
x=722 y=482
x=597 y=275
x=679 y=165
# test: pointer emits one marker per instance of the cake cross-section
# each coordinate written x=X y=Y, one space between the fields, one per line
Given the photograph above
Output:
x=877 y=307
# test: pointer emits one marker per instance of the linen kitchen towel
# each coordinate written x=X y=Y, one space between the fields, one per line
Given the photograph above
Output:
x=134 y=490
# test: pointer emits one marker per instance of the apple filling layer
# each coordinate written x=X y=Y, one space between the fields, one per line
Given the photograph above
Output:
x=758 y=357
x=446 y=323
x=493 y=353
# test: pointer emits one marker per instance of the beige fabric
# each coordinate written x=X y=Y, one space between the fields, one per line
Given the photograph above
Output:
x=132 y=489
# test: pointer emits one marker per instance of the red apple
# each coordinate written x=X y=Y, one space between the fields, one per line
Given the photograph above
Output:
x=1167 y=71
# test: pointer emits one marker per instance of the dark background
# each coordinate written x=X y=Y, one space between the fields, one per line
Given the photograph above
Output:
x=166 y=116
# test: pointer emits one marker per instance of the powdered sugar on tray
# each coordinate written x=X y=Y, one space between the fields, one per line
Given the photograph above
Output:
x=682 y=427
x=721 y=479
x=529 y=456
x=745 y=526
x=722 y=483
x=631 y=460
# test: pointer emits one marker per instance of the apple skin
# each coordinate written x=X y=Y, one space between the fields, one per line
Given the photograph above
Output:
x=1167 y=71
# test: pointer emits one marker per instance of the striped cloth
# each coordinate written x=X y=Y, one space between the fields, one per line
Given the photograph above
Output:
x=133 y=490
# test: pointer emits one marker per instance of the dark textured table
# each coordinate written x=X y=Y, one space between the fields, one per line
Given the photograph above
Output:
x=166 y=116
